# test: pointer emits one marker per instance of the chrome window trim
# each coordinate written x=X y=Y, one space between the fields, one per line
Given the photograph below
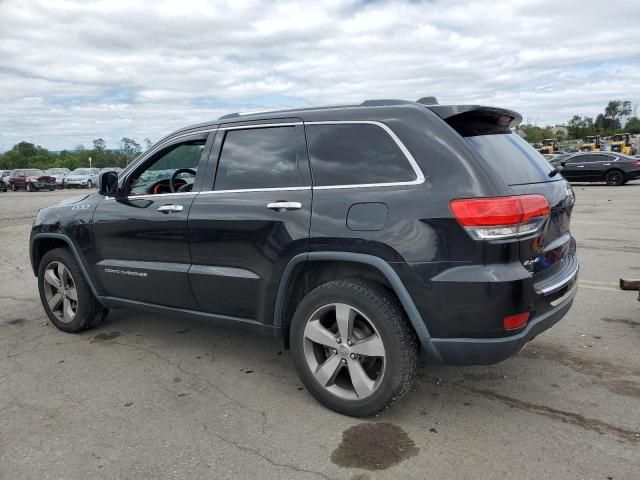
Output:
x=420 y=178
x=241 y=190
x=153 y=195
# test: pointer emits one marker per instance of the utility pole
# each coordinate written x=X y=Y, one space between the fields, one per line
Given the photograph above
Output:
x=89 y=162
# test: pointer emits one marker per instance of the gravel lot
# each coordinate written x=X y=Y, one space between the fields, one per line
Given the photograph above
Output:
x=162 y=397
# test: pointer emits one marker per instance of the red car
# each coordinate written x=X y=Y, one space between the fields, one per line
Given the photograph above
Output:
x=31 y=180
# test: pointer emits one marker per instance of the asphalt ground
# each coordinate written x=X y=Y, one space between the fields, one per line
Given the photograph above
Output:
x=145 y=396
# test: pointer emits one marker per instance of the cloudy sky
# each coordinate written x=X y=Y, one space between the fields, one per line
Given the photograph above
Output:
x=73 y=71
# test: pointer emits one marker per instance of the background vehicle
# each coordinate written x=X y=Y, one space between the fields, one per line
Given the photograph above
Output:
x=549 y=145
x=424 y=228
x=59 y=174
x=591 y=143
x=621 y=143
x=3 y=185
x=111 y=169
x=82 y=177
x=31 y=179
x=4 y=176
x=614 y=169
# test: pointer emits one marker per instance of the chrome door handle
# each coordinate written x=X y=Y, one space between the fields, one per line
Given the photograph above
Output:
x=580 y=166
x=170 y=208
x=282 y=206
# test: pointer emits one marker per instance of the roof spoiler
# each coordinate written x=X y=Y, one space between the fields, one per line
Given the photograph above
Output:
x=469 y=120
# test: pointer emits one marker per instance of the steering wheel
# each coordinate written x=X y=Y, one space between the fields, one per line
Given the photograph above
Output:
x=172 y=179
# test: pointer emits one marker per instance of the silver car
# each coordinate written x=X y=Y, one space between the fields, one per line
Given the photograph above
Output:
x=59 y=174
x=82 y=177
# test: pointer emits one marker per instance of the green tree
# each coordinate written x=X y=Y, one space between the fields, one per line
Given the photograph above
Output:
x=99 y=145
x=632 y=125
x=130 y=147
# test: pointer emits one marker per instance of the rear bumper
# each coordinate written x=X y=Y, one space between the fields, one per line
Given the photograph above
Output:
x=485 y=351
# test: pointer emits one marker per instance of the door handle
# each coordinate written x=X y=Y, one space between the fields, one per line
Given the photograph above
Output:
x=170 y=208
x=282 y=206
x=580 y=166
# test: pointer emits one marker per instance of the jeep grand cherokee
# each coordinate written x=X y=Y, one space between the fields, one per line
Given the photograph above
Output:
x=359 y=236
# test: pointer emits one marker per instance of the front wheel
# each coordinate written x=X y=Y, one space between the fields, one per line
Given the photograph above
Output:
x=353 y=346
x=89 y=184
x=614 y=178
x=29 y=187
x=65 y=294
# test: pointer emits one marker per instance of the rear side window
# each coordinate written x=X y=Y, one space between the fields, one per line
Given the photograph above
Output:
x=515 y=160
x=355 y=154
x=258 y=158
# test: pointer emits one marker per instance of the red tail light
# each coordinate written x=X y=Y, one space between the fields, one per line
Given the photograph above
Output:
x=514 y=322
x=501 y=217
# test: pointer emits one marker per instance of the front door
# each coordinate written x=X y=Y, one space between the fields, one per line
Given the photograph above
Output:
x=141 y=237
x=256 y=217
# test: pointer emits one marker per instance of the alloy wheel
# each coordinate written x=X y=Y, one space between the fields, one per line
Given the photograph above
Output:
x=614 y=178
x=344 y=351
x=60 y=292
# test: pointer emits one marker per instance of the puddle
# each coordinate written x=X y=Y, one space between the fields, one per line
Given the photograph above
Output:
x=373 y=446
x=101 y=337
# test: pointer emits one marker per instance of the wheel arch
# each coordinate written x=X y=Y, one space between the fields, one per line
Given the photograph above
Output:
x=42 y=243
x=368 y=266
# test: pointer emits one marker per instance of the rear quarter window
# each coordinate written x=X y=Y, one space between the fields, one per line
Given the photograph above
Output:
x=355 y=154
x=514 y=159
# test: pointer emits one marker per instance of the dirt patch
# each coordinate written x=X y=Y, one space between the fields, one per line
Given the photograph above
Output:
x=373 y=446
x=103 y=337
x=624 y=321
x=15 y=321
x=481 y=377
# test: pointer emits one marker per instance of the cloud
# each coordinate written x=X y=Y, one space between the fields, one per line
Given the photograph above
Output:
x=71 y=71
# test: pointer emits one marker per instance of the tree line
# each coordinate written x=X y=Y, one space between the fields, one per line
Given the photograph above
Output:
x=618 y=117
x=28 y=155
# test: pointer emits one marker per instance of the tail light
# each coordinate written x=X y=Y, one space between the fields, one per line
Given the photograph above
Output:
x=501 y=217
x=636 y=164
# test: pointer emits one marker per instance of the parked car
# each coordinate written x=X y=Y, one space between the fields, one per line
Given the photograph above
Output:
x=110 y=169
x=5 y=175
x=82 y=177
x=3 y=185
x=59 y=174
x=357 y=236
x=31 y=180
x=612 y=168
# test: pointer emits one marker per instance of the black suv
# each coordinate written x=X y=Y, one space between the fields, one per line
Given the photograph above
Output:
x=358 y=236
x=613 y=168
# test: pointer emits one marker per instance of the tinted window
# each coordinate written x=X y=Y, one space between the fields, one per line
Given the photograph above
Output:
x=355 y=154
x=258 y=158
x=515 y=160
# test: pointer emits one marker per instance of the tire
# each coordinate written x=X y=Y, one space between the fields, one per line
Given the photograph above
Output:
x=614 y=178
x=29 y=187
x=88 y=311
x=377 y=317
x=89 y=184
x=13 y=187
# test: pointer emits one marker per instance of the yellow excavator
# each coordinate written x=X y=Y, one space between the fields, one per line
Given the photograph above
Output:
x=549 y=145
x=591 y=143
x=621 y=143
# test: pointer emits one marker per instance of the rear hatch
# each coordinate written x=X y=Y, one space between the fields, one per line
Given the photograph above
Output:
x=523 y=171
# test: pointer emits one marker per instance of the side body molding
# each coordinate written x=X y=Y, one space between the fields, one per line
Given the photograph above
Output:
x=392 y=277
x=74 y=250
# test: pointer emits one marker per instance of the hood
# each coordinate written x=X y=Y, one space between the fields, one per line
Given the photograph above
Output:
x=72 y=200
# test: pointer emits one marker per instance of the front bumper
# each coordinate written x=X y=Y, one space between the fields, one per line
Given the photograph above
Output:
x=485 y=351
x=39 y=185
x=82 y=183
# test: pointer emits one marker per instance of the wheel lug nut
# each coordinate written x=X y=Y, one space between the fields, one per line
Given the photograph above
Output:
x=343 y=361
x=353 y=356
x=334 y=351
x=350 y=343
x=338 y=340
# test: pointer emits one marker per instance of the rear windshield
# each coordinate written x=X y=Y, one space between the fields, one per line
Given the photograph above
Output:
x=515 y=160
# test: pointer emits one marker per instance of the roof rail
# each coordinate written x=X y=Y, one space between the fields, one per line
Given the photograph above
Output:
x=428 y=101
x=383 y=102
x=229 y=115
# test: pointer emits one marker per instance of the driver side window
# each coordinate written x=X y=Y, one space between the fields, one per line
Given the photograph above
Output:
x=154 y=177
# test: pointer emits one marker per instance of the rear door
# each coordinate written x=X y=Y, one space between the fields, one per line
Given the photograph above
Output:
x=574 y=168
x=250 y=220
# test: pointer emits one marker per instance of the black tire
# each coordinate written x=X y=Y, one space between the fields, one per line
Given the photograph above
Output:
x=89 y=312
x=614 y=178
x=89 y=184
x=387 y=316
x=29 y=187
x=13 y=187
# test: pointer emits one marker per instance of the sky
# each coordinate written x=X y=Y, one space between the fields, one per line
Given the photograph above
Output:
x=72 y=71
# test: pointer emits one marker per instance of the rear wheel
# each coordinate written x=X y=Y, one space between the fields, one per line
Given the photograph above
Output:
x=353 y=347
x=30 y=187
x=65 y=294
x=13 y=187
x=614 y=178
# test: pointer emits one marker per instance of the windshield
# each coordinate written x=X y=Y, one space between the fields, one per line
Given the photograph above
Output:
x=81 y=171
x=32 y=172
x=513 y=159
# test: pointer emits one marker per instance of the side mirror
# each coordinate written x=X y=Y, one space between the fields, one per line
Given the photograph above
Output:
x=108 y=183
